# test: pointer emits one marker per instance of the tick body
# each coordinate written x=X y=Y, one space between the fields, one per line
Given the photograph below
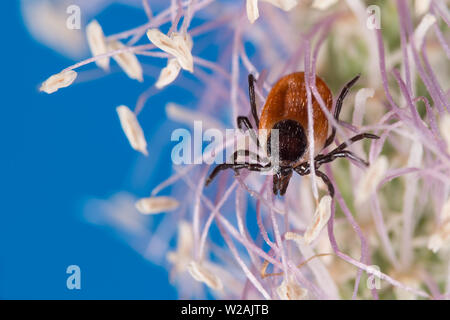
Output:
x=286 y=110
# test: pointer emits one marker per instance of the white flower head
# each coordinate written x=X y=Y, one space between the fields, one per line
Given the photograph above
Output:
x=168 y=74
x=132 y=129
x=419 y=34
x=97 y=43
x=435 y=242
x=293 y=236
x=286 y=5
x=371 y=178
x=202 y=274
x=58 y=81
x=178 y=45
x=441 y=236
x=185 y=246
x=323 y=4
x=320 y=219
x=291 y=290
x=127 y=61
x=253 y=11
x=421 y=6
x=154 y=205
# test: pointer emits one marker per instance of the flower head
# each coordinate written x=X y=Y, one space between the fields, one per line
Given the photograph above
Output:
x=387 y=212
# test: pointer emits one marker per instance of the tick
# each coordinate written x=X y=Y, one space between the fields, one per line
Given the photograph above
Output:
x=286 y=110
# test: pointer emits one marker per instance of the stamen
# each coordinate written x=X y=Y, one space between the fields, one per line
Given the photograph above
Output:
x=203 y=274
x=58 y=81
x=132 y=129
x=155 y=205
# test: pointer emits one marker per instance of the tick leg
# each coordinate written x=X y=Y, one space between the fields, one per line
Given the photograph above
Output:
x=340 y=154
x=342 y=96
x=251 y=94
x=242 y=122
x=354 y=139
x=327 y=181
x=247 y=153
x=235 y=166
x=337 y=109
x=303 y=170
x=219 y=168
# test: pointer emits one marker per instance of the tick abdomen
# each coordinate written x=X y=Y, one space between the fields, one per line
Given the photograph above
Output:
x=288 y=101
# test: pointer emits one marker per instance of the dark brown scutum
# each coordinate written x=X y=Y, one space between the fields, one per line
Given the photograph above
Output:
x=292 y=141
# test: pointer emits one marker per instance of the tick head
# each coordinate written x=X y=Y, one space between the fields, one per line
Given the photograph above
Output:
x=281 y=180
x=290 y=145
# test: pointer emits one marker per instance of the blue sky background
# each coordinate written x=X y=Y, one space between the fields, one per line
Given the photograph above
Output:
x=58 y=151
